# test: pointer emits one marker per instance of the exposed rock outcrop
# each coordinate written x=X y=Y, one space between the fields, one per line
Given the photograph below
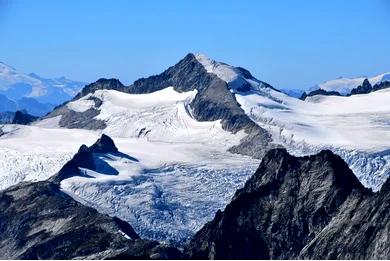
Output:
x=381 y=86
x=319 y=92
x=309 y=207
x=84 y=159
x=23 y=118
x=362 y=89
x=39 y=221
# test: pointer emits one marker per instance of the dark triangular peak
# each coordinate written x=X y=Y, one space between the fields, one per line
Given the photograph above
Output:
x=362 y=89
x=84 y=158
x=282 y=207
x=22 y=117
x=101 y=84
x=187 y=75
x=104 y=145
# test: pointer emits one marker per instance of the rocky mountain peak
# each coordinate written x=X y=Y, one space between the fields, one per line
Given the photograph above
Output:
x=104 y=145
x=281 y=208
x=22 y=117
x=101 y=84
x=365 y=87
x=84 y=158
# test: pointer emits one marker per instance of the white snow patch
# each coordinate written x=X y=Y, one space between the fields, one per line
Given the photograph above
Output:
x=224 y=71
x=124 y=234
x=81 y=105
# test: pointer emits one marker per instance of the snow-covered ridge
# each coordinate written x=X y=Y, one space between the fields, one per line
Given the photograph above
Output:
x=231 y=75
x=223 y=71
x=345 y=85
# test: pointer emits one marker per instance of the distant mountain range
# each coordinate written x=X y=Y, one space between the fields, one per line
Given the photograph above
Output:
x=30 y=92
x=350 y=86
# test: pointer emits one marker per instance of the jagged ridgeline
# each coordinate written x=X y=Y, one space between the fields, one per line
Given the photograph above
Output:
x=299 y=208
x=214 y=100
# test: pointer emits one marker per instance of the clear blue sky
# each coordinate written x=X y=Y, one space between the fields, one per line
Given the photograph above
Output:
x=290 y=44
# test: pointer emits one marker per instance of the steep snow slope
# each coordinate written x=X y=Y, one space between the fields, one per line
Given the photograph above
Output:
x=345 y=85
x=238 y=78
x=172 y=175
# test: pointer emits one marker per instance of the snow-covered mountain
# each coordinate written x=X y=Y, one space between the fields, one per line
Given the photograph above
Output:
x=33 y=93
x=189 y=137
x=344 y=85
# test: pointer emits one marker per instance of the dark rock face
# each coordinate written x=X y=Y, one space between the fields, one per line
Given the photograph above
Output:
x=78 y=120
x=84 y=159
x=187 y=75
x=104 y=145
x=39 y=221
x=310 y=207
x=360 y=230
x=381 y=86
x=319 y=92
x=362 y=89
x=101 y=84
x=23 y=118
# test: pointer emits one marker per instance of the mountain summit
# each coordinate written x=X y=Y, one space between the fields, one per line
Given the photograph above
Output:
x=215 y=84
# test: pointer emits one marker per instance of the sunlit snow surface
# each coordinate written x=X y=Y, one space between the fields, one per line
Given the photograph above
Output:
x=172 y=177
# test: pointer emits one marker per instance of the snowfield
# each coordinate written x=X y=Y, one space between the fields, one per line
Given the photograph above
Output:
x=171 y=177
x=165 y=200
